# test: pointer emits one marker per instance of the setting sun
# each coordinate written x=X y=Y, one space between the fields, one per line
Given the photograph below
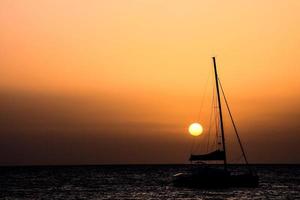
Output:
x=195 y=129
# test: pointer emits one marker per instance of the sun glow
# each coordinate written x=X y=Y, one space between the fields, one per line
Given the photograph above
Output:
x=195 y=129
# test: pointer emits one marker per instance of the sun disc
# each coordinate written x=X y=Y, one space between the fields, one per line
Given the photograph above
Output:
x=195 y=129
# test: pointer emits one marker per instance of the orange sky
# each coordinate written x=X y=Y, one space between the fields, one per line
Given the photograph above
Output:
x=88 y=82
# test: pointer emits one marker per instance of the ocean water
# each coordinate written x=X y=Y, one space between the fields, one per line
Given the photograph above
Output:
x=136 y=182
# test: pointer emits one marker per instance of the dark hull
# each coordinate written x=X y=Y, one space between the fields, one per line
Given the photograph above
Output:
x=218 y=180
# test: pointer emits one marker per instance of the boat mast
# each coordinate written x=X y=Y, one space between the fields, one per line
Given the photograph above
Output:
x=220 y=112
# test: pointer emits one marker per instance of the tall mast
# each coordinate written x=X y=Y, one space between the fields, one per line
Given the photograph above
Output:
x=220 y=112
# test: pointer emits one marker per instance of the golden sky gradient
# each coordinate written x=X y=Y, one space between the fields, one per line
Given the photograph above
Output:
x=91 y=82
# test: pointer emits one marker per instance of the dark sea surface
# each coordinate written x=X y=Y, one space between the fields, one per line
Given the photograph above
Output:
x=136 y=182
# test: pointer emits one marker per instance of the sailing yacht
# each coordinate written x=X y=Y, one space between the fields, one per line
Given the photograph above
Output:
x=212 y=176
